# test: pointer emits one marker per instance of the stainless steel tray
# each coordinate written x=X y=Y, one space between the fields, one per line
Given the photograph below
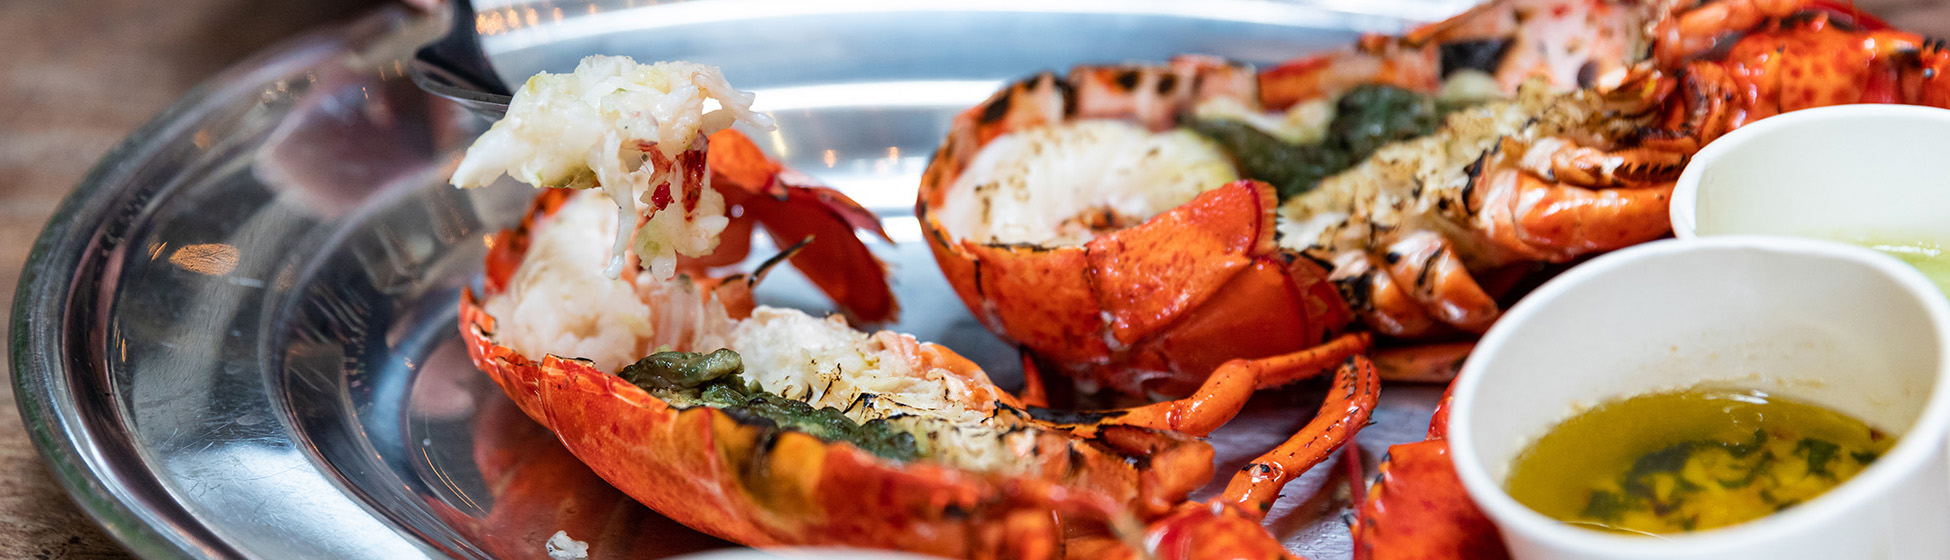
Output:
x=236 y=338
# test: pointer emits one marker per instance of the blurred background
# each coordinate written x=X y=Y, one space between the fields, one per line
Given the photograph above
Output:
x=81 y=75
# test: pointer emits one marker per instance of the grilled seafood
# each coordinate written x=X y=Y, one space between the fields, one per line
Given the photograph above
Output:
x=1397 y=216
x=1545 y=177
x=1135 y=270
x=799 y=430
x=638 y=132
x=809 y=416
x=1769 y=58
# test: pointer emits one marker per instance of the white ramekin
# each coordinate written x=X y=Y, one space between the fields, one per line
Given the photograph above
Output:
x=1834 y=324
x=1847 y=173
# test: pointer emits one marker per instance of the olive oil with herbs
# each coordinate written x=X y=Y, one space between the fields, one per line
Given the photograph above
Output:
x=1690 y=460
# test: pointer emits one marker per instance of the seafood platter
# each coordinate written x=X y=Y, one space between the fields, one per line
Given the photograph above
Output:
x=1079 y=297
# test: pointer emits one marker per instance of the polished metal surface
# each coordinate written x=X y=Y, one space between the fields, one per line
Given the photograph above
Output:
x=237 y=337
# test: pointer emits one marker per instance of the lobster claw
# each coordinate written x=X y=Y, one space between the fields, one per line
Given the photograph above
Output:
x=793 y=208
x=1190 y=531
x=1418 y=509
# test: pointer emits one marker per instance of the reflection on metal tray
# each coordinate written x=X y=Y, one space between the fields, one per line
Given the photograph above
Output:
x=237 y=338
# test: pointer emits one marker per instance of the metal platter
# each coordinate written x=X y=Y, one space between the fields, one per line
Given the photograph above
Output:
x=236 y=339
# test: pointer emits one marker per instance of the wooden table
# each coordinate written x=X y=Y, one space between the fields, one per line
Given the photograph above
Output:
x=78 y=76
x=75 y=79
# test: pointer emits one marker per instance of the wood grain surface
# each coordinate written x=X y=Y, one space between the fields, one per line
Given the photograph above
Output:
x=77 y=76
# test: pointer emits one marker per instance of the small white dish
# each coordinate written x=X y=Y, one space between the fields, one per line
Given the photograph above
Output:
x=1828 y=323
x=1846 y=173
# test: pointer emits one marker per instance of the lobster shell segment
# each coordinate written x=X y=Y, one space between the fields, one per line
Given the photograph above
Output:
x=1149 y=275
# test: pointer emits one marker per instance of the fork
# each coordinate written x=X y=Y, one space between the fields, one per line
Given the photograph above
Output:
x=454 y=67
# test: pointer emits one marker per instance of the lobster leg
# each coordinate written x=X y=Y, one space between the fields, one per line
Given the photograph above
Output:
x=1349 y=404
x=1226 y=390
x=1229 y=528
x=1422 y=364
x=1571 y=164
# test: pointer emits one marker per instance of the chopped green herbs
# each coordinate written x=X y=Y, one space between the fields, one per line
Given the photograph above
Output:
x=1819 y=453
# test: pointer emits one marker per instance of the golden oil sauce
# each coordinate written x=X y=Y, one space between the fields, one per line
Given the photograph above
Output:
x=1690 y=460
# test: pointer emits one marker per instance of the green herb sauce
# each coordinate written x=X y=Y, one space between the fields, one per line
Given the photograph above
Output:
x=687 y=379
x=1365 y=119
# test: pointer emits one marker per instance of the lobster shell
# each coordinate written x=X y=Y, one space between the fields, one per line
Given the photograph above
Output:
x=1153 y=308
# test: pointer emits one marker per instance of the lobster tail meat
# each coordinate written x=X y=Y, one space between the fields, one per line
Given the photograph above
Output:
x=1544 y=177
x=634 y=130
x=641 y=134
